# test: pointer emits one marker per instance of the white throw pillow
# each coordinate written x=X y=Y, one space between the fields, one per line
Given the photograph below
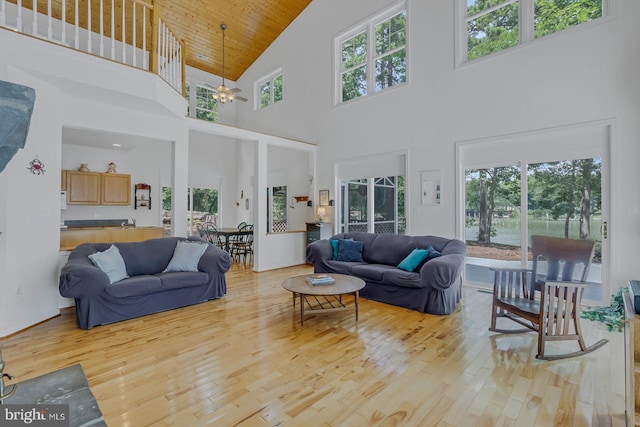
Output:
x=111 y=262
x=186 y=256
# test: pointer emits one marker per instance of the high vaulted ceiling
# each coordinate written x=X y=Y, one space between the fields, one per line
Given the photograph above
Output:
x=252 y=25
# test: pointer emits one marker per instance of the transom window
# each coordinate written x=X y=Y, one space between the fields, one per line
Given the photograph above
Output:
x=269 y=89
x=372 y=56
x=489 y=26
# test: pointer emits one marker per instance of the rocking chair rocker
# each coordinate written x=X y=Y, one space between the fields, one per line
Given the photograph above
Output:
x=557 y=309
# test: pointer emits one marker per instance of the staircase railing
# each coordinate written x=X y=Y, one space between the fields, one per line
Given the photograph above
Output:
x=120 y=30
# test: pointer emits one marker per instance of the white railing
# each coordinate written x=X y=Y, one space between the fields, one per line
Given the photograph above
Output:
x=169 y=56
x=92 y=26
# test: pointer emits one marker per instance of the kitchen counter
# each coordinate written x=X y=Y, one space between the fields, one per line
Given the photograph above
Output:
x=72 y=237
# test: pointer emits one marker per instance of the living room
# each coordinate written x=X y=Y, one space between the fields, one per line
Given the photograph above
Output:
x=581 y=76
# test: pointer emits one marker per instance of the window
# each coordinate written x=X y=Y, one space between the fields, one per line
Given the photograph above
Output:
x=277 y=209
x=269 y=89
x=200 y=103
x=202 y=205
x=488 y=26
x=372 y=56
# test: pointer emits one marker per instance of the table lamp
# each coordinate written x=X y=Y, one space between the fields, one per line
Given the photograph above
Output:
x=321 y=213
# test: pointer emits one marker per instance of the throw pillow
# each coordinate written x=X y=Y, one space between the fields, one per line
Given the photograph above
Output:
x=334 y=246
x=111 y=262
x=413 y=259
x=432 y=253
x=349 y=250
x=186 y=256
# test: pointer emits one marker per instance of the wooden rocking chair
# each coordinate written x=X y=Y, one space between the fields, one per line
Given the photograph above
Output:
x=557 y=309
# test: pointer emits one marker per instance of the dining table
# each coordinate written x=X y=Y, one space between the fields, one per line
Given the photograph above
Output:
x=228 y=232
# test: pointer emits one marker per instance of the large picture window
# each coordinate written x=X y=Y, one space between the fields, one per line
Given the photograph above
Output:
x=372 y=56
x=489 y=26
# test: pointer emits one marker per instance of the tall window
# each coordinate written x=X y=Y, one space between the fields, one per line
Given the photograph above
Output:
x=269 y=89
x=202 y=205
x=277 y=209
x=200 y=103
x=372 y=56
x=488 y=26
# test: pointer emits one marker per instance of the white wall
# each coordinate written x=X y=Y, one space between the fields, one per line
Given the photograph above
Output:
x=581 y=75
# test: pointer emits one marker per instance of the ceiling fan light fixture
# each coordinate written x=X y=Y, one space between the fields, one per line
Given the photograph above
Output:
x=222 y=93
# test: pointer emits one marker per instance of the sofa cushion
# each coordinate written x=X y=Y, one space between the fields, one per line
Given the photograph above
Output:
x=342 y=267
x=186 y=256
x=414 y=259
x=405 y=279
x=148 y=257
x=372 y=272
x=350 y=251
x=182 y=279
x=111 y=262
x=135 y=285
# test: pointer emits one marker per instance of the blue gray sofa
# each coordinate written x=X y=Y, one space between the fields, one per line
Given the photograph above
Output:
x=147 y=289
x=434 y=287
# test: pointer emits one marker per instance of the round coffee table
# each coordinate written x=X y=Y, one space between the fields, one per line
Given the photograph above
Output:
x=323 y=298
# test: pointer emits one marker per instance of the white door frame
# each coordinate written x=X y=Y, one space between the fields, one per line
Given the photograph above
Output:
x=578 y=141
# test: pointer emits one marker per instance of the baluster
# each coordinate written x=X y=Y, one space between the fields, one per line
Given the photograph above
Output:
x=34 y=9
x=101 y=27
x=113 y=30
x=3 y=13
x=124 y=46
x=171 y=47
x=133 y=34
x=19 y=19
x=164 y=52
x=63 y=35
x=89 y=26
x=144 y=38
x=77 y=25
x=49 y=21
x=158 y=47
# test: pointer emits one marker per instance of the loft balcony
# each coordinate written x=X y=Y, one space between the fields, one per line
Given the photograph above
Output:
x=130 y=32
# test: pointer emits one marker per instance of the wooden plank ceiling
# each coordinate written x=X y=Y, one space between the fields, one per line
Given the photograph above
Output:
x=252 y=25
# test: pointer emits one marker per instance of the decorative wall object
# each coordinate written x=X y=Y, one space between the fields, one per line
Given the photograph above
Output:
x=142 y=197
x=16 y=107
x=36 y=166
x=112 y=168
x=430 y=187
x=324 y=197
x=84 y=167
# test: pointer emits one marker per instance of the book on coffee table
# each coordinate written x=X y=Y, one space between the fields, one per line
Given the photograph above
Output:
x=320 y=279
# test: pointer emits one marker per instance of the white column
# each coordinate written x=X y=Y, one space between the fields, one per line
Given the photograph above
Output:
x=180 y=184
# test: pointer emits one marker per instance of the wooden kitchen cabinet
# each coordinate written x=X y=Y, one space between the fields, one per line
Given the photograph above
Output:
x=115 y=189
x=83 y=188
x=95 y=188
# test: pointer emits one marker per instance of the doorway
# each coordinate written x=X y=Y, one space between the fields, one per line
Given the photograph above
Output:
x=550 y=183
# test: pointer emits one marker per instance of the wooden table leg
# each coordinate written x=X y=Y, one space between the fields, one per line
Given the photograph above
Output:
x=356 y=298
x=301 y=309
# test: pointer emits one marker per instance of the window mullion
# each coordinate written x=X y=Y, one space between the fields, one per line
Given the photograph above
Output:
x=371 y=49
x=526 y=18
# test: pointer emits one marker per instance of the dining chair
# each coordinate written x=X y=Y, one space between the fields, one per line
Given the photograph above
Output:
x=243 y=245
x=214 y=236
x=546 y=298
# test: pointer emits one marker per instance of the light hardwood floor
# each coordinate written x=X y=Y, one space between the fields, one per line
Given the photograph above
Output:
x=245 y=360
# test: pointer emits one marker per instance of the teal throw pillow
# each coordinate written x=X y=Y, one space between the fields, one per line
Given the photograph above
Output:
x=413 y=259
x=350 y=251
x=186 y=256
x=334 y=246
x=111 y=262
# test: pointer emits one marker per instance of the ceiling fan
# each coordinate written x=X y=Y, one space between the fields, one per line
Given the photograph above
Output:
x=223 y=93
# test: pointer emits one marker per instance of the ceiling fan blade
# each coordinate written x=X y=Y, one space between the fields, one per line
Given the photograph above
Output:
x=240 y=98
x=235 y=89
